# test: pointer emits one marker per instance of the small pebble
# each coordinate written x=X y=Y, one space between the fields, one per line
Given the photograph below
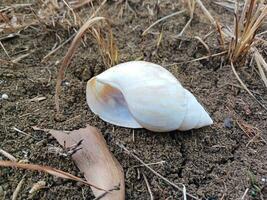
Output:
x=65 y=83
x=228 y=122
x=4 y=96
x=264 y=179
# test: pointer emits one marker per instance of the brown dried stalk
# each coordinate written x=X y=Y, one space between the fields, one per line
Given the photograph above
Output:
x=110 y=48
x=75 y=4
x=261 y=64
x=47 y=169
x=191 y=4
x=245 y=29
x=245 y=87
x=206 y=12
x=183 y=189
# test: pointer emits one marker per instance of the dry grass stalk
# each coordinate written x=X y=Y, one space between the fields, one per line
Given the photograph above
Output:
x=37 y=186
x=245 y=87
x=198 y=59
x=228 y=4
x=245 y=29
x=47 y=169
x=191 y=4
x=18 y=188
x=206 y=12
x=249 y=130
x=48 y=13
x=107 y=48
x=243 y=38
x=57 y=48
x=75 y=4
x=204 y=44
x=162 y=19
x=148 y=187
x=261 y=64
x=183 y=190
x=221 y=34
x=110 y=47
x=7 y=155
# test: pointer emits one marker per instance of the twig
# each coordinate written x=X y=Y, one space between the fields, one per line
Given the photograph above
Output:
x=245 y=193
x=157 y=174
x=18 y=188
x=148 y=187
x=162 y=19
x=7 y=155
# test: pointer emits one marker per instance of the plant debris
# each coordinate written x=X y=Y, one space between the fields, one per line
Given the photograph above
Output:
x=94 y=160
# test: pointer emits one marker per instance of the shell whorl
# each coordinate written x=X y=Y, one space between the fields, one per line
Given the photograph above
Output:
x=140 y=94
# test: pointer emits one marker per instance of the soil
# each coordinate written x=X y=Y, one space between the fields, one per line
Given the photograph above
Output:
x=216 y=162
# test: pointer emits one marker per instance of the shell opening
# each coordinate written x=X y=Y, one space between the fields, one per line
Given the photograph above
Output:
x=109 y=104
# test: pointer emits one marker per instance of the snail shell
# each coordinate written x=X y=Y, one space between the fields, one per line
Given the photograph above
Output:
x=140 y=94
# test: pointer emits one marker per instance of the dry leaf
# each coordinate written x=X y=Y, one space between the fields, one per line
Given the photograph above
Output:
x=94 y=160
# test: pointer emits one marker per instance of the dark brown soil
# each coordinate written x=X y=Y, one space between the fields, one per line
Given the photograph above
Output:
x=213 y=162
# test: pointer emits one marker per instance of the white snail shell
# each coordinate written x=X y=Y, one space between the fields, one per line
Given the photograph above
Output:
x=140 y=94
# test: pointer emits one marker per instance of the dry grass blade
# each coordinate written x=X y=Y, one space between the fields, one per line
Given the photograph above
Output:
x=204 y=44
x=183 y=190
x=108 y=49
x=47 y=169
x=37 y=186
x=221 y=34
x=246 y=28
x=191 y=7
x=148 y=187
x=245 y=87
x=79 y=3
x=198 y=59
x=206 y=12
x=75 y=43
x=7 y=155
x=262 y=65
x=57 y=48
x=106 y=193
x=18 y=188
x=162 y=19
x=228 y=4
x=95 y=161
